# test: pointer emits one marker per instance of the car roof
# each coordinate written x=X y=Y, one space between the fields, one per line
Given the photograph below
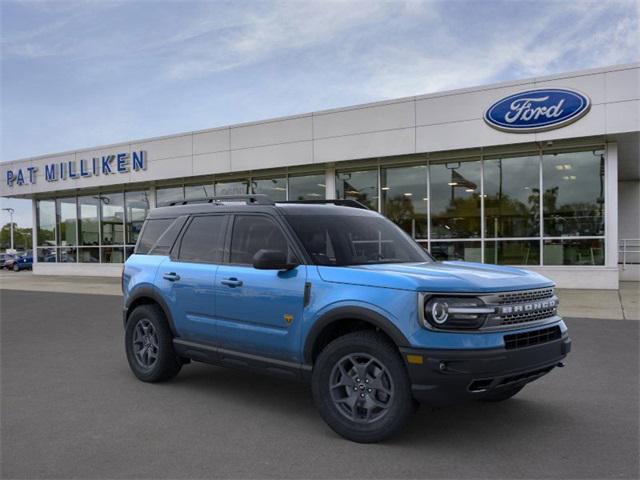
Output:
x=328 y=207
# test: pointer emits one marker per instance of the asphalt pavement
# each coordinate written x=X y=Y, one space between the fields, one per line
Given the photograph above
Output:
x=72 y=409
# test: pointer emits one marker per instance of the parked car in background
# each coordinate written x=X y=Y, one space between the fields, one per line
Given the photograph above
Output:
x=7 y=260
x=23 y=262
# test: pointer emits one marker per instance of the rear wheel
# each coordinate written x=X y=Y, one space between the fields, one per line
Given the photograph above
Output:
x=16 y=268
x=501 y=394
x=361 y=387
x=149 y=345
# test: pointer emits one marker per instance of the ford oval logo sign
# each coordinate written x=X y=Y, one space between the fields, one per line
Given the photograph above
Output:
x=537 y=110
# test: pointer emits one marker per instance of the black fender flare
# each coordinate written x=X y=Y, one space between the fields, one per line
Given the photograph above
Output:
x=351 y=313
x=151 y=293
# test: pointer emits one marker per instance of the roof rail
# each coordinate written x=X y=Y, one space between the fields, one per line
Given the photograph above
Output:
x=341 y=202
x=256 y=199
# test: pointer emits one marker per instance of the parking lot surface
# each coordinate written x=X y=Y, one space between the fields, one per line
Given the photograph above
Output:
x=72 y=409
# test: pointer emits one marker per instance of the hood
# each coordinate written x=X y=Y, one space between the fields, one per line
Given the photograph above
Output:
x=437 y=277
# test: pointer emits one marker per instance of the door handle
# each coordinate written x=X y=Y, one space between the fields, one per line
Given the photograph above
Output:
x=171 y=276
x=232 y=282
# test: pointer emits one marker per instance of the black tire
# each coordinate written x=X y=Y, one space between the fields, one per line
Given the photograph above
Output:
x=501 y=394
x=158 y=342
x=16 y=268
x=348 y=420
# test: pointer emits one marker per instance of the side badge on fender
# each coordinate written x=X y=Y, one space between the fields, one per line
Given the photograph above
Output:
x=288 y=318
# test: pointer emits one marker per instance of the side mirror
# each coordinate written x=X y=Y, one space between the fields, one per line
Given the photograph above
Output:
x=271 y=260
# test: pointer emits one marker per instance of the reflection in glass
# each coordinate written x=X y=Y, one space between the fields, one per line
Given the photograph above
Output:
x=46 y=254
x=88 y=220
x=112 y=255
x=455 y=200
x=466 y=251
x=165 y=196
x=67 y=254
x=46 y=218
x=232 y=188
x=197 y=192
x=573 y=199
x=512 y=197
x=136 y=208
x=307 y=187
x=89 y=255
x=404 y=198
x=574 y=252
x=361 y=186
x=67 y=212
x=112 y=218
x=276 y=188
x=512 y=252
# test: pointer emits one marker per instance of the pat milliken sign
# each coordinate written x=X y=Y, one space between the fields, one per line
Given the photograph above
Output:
x=537 y=110
x=105 y=165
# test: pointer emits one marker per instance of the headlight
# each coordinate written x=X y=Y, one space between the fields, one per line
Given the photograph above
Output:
x=455 y=313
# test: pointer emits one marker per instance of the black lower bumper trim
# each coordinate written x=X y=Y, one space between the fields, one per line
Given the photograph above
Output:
x=452 y=376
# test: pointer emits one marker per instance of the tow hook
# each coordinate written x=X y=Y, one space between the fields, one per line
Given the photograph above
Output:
x=560 y=365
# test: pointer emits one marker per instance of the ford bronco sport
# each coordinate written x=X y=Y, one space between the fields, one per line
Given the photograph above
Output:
x=335 y=294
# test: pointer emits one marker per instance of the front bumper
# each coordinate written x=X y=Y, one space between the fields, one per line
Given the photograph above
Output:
x=447 y=377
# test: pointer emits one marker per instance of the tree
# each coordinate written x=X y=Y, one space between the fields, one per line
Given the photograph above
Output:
x=21 y=237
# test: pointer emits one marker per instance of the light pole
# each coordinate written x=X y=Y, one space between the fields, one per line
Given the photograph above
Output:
x=11 y=212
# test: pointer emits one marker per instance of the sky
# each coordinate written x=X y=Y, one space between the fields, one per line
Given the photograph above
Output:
x=86 y=73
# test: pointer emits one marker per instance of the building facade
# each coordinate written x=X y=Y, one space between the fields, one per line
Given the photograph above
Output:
x=541 y=173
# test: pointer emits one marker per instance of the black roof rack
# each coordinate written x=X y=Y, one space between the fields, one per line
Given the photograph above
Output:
x=340 y=202
x=256 y=199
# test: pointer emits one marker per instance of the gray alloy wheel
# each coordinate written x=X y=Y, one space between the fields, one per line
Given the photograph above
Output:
x=361 y=387
x=145 y=343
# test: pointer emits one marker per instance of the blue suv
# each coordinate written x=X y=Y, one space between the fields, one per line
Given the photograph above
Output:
x=335 y=294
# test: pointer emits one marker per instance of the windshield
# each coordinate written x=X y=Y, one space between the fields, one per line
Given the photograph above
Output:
x=342 y=240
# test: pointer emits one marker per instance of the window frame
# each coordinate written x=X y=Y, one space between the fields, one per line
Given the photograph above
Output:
x=174 y=251
x=301 y=258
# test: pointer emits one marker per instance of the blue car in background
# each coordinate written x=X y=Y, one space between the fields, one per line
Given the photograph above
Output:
x=23 y=262
x=335 y=294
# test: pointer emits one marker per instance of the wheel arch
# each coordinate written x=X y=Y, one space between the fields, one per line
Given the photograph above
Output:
x=342 y=320
x=148 y=296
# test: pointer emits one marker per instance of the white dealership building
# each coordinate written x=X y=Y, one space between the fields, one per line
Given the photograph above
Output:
x=541 y=173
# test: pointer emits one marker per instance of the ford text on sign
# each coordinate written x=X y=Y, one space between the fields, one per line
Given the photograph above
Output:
x=537 y=110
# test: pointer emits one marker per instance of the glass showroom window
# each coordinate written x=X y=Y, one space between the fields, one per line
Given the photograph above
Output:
x=67 y=229
x=307 y=187
x=512 y=252
x=405 y=200
x=196 y=192
x=361 y=186
x=167 y=195
x=88 y=229
x=46 y=230
x=512 y=197
x=465 y=251
x=112 y=218
x=275 y=187
x=573 y=198
x=574 y=251
x=136 y=208
x=232 y=188
x=455 y=200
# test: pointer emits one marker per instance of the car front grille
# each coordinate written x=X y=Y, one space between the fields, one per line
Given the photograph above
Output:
x=510 y=298
x=535 y=337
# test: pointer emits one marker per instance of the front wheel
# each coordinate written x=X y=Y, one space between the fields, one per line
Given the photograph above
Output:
x=361 y=387
x=16 y=268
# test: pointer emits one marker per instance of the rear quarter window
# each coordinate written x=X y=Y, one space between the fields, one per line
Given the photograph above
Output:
x=158 y=235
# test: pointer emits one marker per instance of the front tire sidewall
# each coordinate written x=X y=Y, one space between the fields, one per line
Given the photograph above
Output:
x=167 y=364
x=402 y=405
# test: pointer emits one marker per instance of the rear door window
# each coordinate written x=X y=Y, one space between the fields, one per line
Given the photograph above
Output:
x=203 y=241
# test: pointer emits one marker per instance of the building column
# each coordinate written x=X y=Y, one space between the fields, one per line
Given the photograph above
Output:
x=611 y=205
x=330 y=182
x=34 y=231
